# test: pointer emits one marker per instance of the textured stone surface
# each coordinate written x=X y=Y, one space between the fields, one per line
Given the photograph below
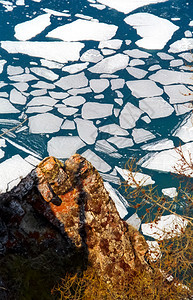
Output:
x=89 y=216
x=65 y=207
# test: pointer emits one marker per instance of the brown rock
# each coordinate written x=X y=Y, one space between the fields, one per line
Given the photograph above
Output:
x=89 y=217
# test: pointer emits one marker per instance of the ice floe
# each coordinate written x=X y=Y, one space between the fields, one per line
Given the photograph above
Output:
x=178 y=93
x=75 y=92
x=136 y=53
x=56 y=13
x=121 y=142
x=75 y=68
x=141 y=135
x=58 y=95
x=2 y=153
x=113 y=129
x=185 y=131
x=136 y=72
x=95 y=110
x=167 y=160
x=167 y=77
x=14 y=70
x=135 y=179
x=136 y=62
x=43 y=72
x=2 y=143
x=170 y=192
x=87 y=131
x=64 y=146
x=23 y=77
x=117 y=83
x=156 y=107
x=96 y=161
x=100 y=96
x=119 y=94
x=32 y=160
x=108 y=51
x=116 y=112
x=188 y=33
x=17 y=97
x=99 y=85
x=187 y=56
x=155 y=31
x=111 y=178
x=111 y=64
x=81 y=30
x=146 y=119
x=129 y=116
x=176 y=63
x=154 y=68
x=112 y=44
x=104 y=146
x=50 y=64
x=72 y=81
x=38 y=109
x=44 y=123
x=185 y=44
x=126 y=6
x=7 y=107
x=183 y=108
x=44 y=100
x=91 y=55
x=165 y=56
x=2 y=63
x=85 y=17
x=68 y=124
x=39 y=92
x=61 y=52
x=21 y=86
x=98 y=6
x=43 y=85
x=10 y=178
x=144 y=88
x=119 y=101
x=67 y=111
x=165 y=228
x=159 y=145
x=74 y=101
x=26 y=30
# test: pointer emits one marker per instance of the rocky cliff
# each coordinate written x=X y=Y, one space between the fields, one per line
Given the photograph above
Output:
x=65 y=208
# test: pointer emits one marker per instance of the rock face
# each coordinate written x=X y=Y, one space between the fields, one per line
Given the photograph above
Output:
x=66 y=207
